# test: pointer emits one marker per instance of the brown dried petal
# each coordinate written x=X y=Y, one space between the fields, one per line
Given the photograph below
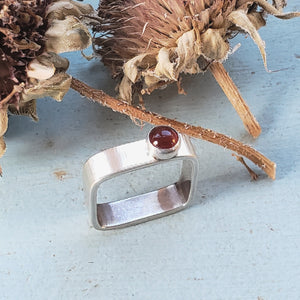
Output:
x=257 y=19
x=279 y=4
x=3 y=120
x=55 y=87
x=213 y=45
x=188 y=51
x=132 y=67
x=40 y=69
x=45 y=66
x=125 y=89
x=241 y=19
x=25 y=109
x=269 y=8
x=165 y=66
x=27 y=45
x=59 y=10
x=67 y=35
x=2 y=150
x=60 y=63
x=151 y=82
x=165 y=69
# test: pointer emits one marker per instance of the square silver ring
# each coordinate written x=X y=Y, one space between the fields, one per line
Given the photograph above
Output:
x=144 y=207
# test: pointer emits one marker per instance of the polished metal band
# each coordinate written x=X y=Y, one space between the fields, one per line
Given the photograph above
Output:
x=140 y=208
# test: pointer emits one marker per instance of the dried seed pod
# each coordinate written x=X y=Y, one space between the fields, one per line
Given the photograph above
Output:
x=149 y=43
x=32 y=33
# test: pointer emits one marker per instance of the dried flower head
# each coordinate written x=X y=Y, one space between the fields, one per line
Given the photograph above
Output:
x=149 y=43
x=32 y=33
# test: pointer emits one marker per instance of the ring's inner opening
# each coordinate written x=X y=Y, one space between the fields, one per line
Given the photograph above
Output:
x=143 y=193
x=139 y=181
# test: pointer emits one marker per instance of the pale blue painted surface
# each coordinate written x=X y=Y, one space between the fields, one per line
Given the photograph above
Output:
x=239 y=240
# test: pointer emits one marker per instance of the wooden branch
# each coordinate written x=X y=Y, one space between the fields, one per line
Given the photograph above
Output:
x=135 y=113
x=234 y=96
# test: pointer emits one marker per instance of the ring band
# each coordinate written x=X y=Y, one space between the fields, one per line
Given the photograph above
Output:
x=134 y=156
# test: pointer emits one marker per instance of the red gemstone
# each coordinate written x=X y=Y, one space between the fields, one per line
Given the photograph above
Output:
x=163 y=137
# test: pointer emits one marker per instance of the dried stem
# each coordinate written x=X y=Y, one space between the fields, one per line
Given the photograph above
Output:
x=99 y=96
x=234 y=96
x=16 y=89
x=253 y=175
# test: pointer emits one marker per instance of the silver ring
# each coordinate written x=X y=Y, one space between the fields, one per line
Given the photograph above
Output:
x=162 y=145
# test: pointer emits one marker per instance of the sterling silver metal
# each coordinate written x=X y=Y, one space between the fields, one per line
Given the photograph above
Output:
x=140 y=208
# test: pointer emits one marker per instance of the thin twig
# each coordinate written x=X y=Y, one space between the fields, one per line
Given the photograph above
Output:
x=234 y=96
x=253 y=175
x=99 y=96
x=16 y=89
